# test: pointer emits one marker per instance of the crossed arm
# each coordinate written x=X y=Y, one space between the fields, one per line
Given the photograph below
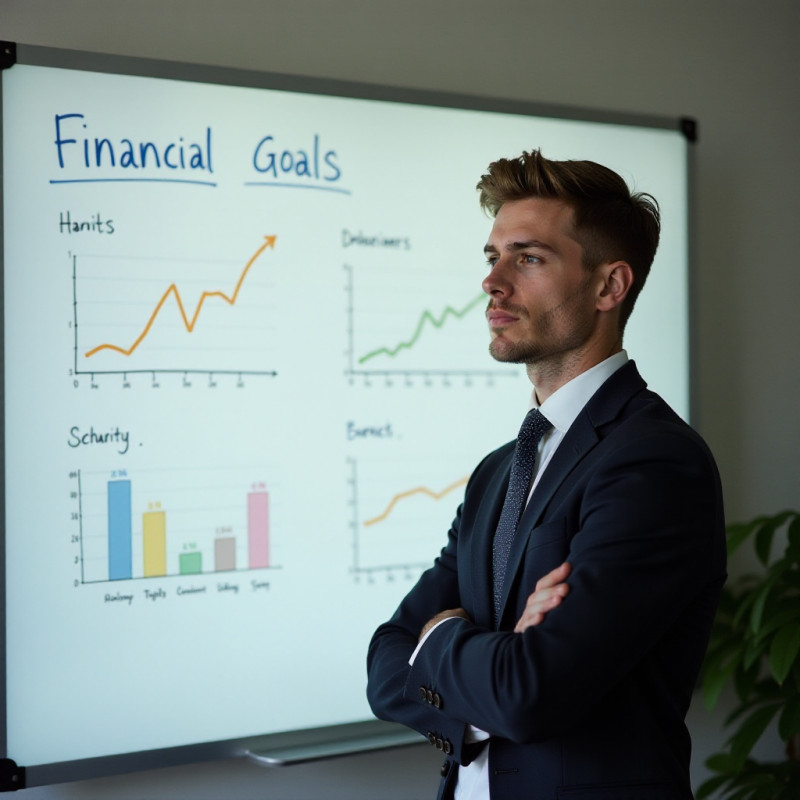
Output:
x=643 y=571
x=548 y=594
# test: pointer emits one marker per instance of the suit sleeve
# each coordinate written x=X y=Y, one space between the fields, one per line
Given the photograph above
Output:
x=391 y=693
x=648 y=544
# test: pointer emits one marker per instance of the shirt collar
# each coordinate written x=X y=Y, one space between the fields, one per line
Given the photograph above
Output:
x=564 y=405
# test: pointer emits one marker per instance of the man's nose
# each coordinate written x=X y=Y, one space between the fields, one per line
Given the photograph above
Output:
x=497 y=281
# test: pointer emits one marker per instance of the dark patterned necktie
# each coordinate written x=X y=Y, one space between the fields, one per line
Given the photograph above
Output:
x=534 y=426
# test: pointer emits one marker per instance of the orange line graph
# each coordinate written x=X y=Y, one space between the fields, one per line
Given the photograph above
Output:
x=269 y=241
x=418 y=490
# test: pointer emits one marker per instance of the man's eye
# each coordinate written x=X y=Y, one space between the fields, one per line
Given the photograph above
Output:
x=527 y=258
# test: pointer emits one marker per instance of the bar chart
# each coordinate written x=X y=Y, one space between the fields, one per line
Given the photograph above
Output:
x=167 y=522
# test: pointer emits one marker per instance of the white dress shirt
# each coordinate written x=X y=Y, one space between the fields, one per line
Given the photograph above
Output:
x=561 y=408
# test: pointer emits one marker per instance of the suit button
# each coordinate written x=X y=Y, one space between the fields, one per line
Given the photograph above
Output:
x=432 y=737
x=429 y=696
x=439 y=744
x=422 y=693
x=445 y=768
x=448 y=747
x=437 y=700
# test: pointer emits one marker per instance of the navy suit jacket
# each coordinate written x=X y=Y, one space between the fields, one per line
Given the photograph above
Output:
x=590 y=704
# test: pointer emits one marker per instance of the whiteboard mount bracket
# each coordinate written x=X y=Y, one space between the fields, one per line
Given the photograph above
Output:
x=12 y=777
x=8 y=54
x=689 y=128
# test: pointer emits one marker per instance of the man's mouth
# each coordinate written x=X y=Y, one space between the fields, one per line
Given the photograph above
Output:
x=498 y=318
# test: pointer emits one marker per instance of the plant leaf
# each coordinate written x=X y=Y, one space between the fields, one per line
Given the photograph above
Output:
x=746 y=597
x=793 y=535
x=715 y=680
x=763 y=594
x=763 y=542
x=752 y=651
x=752 y=786
x=783 y=651
x=750 y=731
x=778 y=620
x=765 y=535
x=764 y=693
x=744 y=682
x=711 y=785
x=789 y=721
x=721 y=762
x=791 y=781
x=740 y=531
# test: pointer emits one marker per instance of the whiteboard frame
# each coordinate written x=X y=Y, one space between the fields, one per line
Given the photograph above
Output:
x=290 y=746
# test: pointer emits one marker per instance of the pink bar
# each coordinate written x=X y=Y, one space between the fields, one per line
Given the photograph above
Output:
x=258 y=528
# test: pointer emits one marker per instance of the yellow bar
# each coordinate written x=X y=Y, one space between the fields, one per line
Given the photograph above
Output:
x=154 y=532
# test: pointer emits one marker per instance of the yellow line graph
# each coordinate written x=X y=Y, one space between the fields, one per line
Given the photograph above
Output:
x=409 y=493
x=269 y=241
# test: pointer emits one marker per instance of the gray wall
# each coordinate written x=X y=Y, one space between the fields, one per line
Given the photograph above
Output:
x=732 y=64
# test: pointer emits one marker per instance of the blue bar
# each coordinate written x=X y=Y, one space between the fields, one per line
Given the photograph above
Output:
x=120 y=556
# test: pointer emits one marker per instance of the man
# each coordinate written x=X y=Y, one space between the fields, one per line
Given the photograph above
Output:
x=552 y=649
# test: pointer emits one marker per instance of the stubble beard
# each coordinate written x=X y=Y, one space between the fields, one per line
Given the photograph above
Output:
x=512 y=352
x=544 y=343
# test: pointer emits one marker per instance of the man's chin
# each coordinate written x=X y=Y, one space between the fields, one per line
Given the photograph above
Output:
x=506 y=353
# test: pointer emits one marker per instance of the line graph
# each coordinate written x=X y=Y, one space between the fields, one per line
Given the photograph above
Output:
x=405 y=533
x=269 y=241
x=194 y=325
x=426 y=317
x=423 y=490
x=394 y=329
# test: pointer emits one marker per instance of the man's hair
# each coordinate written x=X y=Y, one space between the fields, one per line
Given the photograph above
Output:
x=610 y=223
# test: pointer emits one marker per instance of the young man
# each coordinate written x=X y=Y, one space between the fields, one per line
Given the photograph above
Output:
x=552 y=649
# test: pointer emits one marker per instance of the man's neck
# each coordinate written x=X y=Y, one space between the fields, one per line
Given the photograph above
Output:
x=550 y=375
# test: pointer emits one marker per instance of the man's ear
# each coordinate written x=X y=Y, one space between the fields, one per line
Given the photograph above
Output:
x=617 y=280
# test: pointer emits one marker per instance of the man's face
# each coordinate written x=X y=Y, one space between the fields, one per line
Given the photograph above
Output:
x=542 y=300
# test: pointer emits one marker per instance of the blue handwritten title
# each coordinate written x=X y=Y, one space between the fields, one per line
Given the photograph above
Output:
x=86 y=158
x=302 y=163
x=128 y=154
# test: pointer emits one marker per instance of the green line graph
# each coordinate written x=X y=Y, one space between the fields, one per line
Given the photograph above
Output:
x=426 y=318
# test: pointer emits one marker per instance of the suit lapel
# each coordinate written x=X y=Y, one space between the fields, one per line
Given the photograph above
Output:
x=583 y=435
x=580 y=439
x=479 y=552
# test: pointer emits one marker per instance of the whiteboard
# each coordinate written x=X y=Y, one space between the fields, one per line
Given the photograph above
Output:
x=246 y=378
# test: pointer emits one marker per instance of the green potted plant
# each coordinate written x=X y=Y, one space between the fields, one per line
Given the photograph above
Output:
x=755 y=644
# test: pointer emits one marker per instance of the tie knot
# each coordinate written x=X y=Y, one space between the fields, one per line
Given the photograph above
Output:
x=534 y=426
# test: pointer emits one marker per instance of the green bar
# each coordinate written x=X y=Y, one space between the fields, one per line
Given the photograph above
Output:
x=191 y=563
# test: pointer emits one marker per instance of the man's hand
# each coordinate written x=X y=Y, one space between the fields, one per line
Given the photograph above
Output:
x=549 y=593
x=451 y=612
